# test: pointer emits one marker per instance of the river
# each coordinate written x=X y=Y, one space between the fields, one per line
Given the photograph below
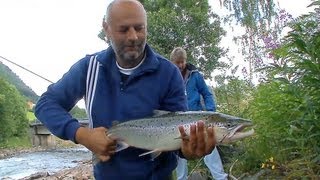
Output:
x=50 y=161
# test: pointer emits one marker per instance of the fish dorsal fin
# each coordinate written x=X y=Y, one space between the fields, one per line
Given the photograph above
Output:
x=114 y=123
x=158 y=113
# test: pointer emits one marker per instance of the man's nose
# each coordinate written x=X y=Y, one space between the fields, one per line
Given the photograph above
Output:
x=132 y=34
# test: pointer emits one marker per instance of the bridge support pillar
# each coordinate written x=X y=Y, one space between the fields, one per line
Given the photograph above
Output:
x=41 y=137
x=43 y=140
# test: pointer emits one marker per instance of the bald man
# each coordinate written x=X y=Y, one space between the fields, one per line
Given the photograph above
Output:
x=119 y=84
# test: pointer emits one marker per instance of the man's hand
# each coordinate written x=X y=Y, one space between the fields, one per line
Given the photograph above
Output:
x=97 y=141
x=197 y=145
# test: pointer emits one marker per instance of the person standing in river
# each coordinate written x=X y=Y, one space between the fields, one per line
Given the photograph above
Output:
x=196 y=88
x=119 y=84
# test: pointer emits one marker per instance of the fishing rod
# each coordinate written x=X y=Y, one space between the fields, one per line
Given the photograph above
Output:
x=25 y=69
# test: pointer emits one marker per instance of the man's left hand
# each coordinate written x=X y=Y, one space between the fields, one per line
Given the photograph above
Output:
x=197 y=145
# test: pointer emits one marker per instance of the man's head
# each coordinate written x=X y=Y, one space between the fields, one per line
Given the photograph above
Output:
x=125 y=26
x=179 y=58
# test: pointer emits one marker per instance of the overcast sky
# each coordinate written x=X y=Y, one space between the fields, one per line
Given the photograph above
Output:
x=48 y=36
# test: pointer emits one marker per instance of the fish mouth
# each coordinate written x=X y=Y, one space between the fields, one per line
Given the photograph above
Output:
x=238 y=133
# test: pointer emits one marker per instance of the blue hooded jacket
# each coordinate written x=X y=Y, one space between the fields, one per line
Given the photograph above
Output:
x=156 y=84
x=197 y=87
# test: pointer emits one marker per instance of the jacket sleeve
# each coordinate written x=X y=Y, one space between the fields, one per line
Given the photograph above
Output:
x=54 y=105
x=208 y=98
x=175 y=98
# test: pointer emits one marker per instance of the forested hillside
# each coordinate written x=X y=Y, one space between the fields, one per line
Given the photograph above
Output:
x=12 y=78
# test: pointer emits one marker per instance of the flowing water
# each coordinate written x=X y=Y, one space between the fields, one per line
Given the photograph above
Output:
x=50 y=161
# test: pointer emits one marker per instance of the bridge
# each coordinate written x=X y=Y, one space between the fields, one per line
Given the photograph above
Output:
x=41 y=136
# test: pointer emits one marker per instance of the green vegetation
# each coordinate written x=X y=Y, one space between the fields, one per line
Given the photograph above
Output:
x=17 y=142
x=13 y=79
x=78 y=113
x=187 y=23
x=288 y=123
x=13 y=113
x=285 y=108
x=30 y=116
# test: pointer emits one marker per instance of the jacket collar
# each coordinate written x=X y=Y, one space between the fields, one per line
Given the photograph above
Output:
x=191 y=67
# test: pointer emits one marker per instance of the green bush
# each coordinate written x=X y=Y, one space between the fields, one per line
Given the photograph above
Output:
x=13 y=111
x=286 y=109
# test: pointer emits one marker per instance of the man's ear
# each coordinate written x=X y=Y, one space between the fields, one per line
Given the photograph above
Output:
x=105 y=30
x=105 y=27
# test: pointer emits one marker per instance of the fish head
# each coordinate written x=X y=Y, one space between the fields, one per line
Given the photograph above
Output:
x=233 y=128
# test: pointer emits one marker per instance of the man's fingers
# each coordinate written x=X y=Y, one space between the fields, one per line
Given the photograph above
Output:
x=201 y=144
x=201 y=140
x=193 y=138
x=112 y=152
x=183 y=134
x=102 y=129
x=211 y=140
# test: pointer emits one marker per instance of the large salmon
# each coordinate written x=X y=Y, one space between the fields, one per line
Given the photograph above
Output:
x=160 y=132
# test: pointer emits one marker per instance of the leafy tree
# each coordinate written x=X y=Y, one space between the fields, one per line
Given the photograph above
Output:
x=262 y=21
x=187 y=23
x=13 y=112
x=78 y=113
x=251 y=14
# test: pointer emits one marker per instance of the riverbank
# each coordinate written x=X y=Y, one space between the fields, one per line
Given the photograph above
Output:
x=6 y=153
x=9 y=152
x=83 y=169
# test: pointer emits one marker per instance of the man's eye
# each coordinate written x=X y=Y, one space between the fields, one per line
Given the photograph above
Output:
x=139 y=28
x=123 y=30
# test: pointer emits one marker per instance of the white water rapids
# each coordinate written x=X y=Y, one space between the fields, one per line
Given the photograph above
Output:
x=51 y=161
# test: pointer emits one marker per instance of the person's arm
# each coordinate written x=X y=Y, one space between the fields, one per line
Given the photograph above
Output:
x=54 y=105
x=208 y=97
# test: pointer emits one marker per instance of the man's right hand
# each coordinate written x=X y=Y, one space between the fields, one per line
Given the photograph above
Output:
x=97 y=141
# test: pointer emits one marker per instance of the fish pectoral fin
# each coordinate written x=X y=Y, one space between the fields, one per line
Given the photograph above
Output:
x=154 y=154
x=121 y=145
x=114 y=123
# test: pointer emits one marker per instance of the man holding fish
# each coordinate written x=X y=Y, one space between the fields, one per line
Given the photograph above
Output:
x=126 y=81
